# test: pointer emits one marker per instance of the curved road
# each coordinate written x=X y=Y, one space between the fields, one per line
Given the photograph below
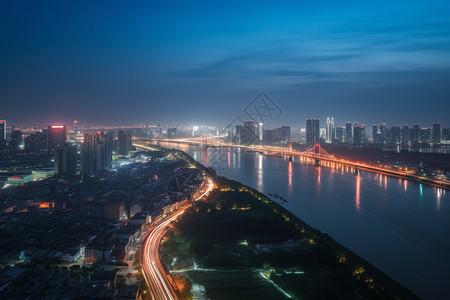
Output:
x=154 y=272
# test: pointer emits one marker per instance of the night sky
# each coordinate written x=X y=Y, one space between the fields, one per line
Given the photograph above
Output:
x=201 y=62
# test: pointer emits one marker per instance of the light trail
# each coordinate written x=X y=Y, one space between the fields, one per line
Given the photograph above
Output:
x=158 y=281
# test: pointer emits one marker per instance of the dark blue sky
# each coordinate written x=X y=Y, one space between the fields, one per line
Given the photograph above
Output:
x=202 y=62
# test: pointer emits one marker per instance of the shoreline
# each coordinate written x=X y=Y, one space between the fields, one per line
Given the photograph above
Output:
x=331 y=245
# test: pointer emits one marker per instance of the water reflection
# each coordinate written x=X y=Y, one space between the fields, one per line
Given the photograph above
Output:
x=358 y=190
x=290 y=178
x=260 y=171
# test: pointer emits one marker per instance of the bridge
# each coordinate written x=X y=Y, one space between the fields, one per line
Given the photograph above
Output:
x=316 y=153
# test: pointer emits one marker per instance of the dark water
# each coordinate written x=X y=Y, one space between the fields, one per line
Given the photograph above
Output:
x=401 y=227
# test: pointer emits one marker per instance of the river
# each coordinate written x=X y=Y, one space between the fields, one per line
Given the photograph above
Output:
x=401 y=227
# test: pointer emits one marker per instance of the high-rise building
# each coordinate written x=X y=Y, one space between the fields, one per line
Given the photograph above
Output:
x=285 y=134
x=395 y=137
x=339 y=135
x=66 y=160
x=383 y=134
x=359 y=134
x=426 y=135
x=436 y=133
x=56 y=136
x=348 y=132
x=268 y=137
x=312 y=131
x=405 y=134
x=375 y=133
x=87 y=160
x=260 y=131
x=445 y=135
x=16 y=140
x=3 y=130
x=239 y=133
x=330 y=130
x=249 y=132
x=415 y=134
x=124 y=142
x=96 y=153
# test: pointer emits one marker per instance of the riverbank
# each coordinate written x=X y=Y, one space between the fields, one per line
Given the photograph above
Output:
x=242 y=233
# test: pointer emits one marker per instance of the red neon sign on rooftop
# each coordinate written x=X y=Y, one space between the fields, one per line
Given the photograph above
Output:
x=57 y=126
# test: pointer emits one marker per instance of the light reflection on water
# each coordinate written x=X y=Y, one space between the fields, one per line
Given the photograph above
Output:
x=400 y=226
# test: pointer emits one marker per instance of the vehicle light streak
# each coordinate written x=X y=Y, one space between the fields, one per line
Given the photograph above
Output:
x=158 y=281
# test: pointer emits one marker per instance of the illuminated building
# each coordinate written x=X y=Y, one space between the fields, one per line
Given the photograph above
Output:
x=395 y=136
x=339 y=135
x=375 y=133
x=260 y=131
x=36 y=141
x=348 y=132
x=3 y=130
x=124 y=142
x=285 y=134
x=436 y=133
x=445 y=135
x=96 y=153
x=249 y=132
x=16 y=140
x=239 y=130
x=56 y=136
x=405 y=134
x=359 y=134
x=330 y=130
x=415 y=134
x=383 y=133
x=66 y=160
x=19 y=180
x=425 y=135
x=312 y=131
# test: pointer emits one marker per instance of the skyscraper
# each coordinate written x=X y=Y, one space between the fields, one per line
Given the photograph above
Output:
x=415 y=134
x=124 y=142
x=249 y=132
x=285 y=134
x=330 y=130
x=260 y=131
x=66 y=160
x=56 y=136
x=312 y=131
x=36 y=141
x=96 y=153
x=426 y=135
x=395 y=135
x=382 y=135
x=339 y=134
x=16 y=140
x=375 y=133
x=348 y=132
x=3 y=130
x=436 y=133
x=405 y=134
x=359 y=134
x=87 y=160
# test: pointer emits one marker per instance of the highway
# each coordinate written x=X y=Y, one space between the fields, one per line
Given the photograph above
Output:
x=159 y=281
